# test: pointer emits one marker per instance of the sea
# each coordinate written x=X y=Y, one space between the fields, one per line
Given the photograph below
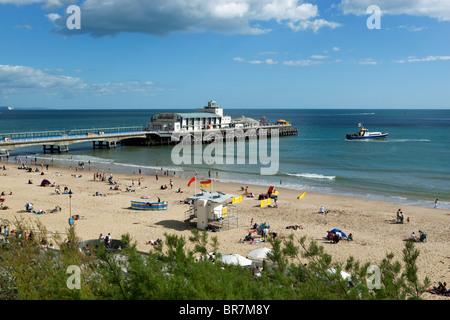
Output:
x=410 y=167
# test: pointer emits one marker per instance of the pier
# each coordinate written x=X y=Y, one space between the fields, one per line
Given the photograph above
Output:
x=60 y=140
x=209 y=135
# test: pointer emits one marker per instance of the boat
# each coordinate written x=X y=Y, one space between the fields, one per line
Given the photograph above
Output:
x=364 y=134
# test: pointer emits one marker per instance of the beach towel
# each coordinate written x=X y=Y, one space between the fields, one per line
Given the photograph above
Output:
x=434 y=291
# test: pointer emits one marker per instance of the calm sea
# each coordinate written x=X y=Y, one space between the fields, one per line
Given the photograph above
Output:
x=411 y=167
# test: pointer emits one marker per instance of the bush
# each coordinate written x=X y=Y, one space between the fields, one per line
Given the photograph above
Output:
x=171 y=271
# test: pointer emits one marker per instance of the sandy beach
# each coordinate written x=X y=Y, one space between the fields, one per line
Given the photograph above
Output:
x=372 y=223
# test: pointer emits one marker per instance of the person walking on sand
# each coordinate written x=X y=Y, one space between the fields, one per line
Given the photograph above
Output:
x=435 y=203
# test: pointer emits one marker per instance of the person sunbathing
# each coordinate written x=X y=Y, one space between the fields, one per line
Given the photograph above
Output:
x=441 y=288
x=154 y=242
x=56 y=209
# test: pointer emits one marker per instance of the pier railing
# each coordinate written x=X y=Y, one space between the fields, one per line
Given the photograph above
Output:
x=66 y=134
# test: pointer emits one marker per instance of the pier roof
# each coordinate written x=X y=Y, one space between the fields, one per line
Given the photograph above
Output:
x=198 y=115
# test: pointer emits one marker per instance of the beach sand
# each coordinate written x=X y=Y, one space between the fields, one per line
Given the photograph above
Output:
x=372 y=223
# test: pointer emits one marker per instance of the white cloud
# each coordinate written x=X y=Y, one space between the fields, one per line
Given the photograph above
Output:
x=314 y=25
x=309 y=62
x=438 y=9
x=267 y=53
x=48 y=4
x=287 y=10
x=24 y=80
x=24 y=26
x=368 y=61
x=336 y=49
x=319 y=57
x=302 y=63
x=162 y=18
x=412 y=28
x=231 y=10
x=426 y=59
x=265 y=61
x=53 y=17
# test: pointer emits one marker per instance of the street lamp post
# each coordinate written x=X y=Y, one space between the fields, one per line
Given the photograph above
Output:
x=70 y=199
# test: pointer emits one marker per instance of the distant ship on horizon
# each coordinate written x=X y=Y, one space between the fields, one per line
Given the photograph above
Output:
x=6 y=108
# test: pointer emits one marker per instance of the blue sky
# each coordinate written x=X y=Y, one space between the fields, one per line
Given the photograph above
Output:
x=241 y=53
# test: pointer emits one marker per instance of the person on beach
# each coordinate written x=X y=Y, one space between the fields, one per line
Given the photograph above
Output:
x=422 y=236
x=435 y=203
x=322 y=210
x=399 y=216
x=108 y=241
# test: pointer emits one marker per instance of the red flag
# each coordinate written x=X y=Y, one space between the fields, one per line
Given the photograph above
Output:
x=192 y=180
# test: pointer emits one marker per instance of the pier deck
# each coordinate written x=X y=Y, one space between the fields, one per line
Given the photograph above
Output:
x=60 y=140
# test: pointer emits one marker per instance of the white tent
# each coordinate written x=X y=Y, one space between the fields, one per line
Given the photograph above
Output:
x=344 y=275
x=235 y=259
x=260 y=253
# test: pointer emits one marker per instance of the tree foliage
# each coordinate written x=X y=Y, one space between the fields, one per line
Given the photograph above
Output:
x=172 y=271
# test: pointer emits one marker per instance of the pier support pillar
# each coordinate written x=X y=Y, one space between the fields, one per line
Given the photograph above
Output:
x=104 y=144
x=53 y=148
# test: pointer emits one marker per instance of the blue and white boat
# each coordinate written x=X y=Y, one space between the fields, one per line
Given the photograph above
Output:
x=364 y=134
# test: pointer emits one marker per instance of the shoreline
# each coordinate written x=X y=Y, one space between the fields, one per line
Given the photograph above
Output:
x=371 y=222
x=101 y=165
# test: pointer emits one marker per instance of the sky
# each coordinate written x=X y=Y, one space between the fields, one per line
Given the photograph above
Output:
x=180 y=54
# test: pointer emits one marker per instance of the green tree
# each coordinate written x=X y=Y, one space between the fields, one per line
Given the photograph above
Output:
x=180 y=269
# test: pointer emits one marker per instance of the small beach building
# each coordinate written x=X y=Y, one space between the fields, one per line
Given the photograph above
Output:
x=212 y=207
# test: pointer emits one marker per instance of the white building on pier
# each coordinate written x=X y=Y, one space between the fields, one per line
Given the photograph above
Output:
x=209 y=117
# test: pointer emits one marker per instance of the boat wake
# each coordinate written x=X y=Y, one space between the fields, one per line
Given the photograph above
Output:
x=407 y=140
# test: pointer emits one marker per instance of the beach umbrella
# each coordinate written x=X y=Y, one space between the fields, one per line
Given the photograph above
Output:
x=235 y=259
x=342 y=232
x=260 y=253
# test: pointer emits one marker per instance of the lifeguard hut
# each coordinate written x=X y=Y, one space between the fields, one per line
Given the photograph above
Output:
x=213 y=208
